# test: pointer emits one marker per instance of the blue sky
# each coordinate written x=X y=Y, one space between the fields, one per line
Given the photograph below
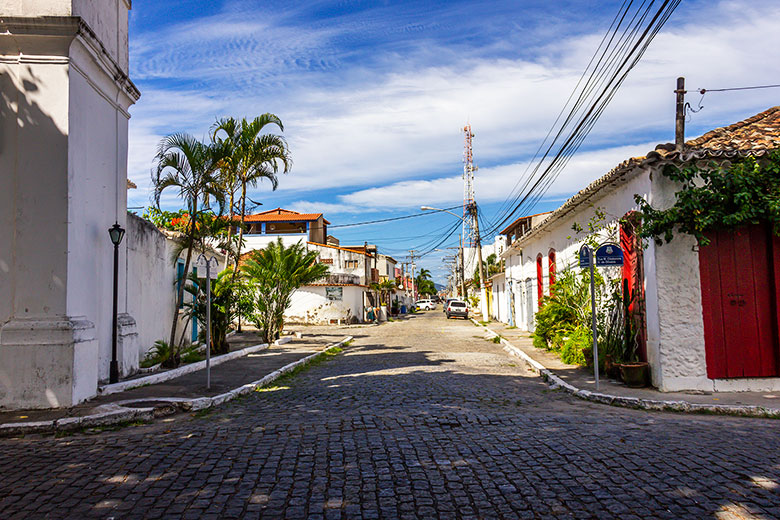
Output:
x=374 y=94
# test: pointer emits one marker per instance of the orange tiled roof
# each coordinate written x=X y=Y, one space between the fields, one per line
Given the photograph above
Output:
x=283 y=215
x=760 y=132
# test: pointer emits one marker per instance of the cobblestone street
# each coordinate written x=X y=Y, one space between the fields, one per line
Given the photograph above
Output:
x=416 y=419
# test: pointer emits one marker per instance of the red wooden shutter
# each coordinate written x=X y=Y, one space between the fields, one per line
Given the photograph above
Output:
x=539 y=279
x=551 y=267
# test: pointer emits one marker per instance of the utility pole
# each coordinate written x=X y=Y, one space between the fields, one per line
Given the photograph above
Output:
x=679 y=120
x=482 y=288
x=462 y=271
x=414 y=292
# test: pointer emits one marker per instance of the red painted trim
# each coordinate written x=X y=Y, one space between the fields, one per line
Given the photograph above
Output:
x=539 y=279
x=551 y=268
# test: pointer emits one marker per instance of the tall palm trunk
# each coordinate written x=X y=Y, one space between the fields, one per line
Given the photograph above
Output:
x=230 y=231
x=241 y=228
x=174 y=360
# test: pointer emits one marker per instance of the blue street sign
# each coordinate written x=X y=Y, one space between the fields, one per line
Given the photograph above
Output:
x=609 y=254
x=584 y=256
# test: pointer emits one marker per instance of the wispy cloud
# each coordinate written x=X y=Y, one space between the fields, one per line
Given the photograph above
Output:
x=385 y=133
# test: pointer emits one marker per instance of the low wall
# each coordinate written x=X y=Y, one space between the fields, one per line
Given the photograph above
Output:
x=311 y=304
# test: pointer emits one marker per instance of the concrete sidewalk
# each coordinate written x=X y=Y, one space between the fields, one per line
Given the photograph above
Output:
x=583 y=379
x=178 y=393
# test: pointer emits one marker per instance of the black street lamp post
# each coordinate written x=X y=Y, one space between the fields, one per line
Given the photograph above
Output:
x=116 y=233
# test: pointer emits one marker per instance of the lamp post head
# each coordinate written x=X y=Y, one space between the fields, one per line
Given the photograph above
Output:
x=116 y=233
x=427 y=208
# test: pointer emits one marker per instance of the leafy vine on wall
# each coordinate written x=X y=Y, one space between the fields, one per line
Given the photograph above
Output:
x=716 y=196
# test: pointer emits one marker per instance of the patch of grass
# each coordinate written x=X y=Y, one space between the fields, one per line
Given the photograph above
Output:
x=511 y=327
x=496 y=339
x=284 y=382
x=484 y=323
x=192 y=356
x=202 y=414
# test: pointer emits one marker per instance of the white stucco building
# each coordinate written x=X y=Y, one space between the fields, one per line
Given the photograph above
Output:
x=65 y=95
x=693 y=339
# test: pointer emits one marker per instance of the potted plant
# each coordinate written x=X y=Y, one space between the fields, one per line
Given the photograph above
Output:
x=632 y=370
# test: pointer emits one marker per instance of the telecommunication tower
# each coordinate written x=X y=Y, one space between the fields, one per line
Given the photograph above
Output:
x=469 y=234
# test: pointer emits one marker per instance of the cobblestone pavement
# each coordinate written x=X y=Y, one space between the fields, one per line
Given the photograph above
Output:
x=417 y=419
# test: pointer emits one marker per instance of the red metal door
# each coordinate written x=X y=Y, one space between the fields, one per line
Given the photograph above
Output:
x=739 y=302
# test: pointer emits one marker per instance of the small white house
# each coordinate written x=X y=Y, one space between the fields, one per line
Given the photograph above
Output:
x=692 y=333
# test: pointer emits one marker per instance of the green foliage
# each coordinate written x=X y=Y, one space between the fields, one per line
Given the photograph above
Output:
x=188 y=166
x=578 y=340
x=565 y=317
x=491 y=266
x=275 y=273
x=170 y=220
x=564 y=322
x=568 y=308
x=250 y=155
x=598 y=229
x=424 y=284
x=192 y=356
x=223 y=308
x=159 y=352
x=385 y=288
x=716 y=197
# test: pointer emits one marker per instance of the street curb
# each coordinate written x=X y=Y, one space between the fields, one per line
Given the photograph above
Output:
x=116 y=413
x=641 y=403
x=177 y=372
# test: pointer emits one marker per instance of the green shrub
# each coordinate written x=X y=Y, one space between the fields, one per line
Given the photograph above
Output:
x=572 y=348
x=159 y=352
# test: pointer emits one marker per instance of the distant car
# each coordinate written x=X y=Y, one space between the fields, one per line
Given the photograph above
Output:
x=457 y=308
x=447 y=303
x=426 y=305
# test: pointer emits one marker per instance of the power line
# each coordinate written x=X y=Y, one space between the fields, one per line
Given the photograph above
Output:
x=391 y=219
x=703 y=91
x=608 y=76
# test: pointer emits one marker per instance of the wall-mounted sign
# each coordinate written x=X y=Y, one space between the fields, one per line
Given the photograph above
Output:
x=609 y=254
x=334 y=293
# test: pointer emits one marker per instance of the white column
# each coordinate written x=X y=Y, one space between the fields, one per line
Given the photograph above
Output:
x=64 y=102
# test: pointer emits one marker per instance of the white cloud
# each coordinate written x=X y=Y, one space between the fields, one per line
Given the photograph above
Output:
x=390 y=139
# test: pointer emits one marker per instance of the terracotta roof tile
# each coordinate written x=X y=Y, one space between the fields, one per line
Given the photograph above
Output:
x=283 y=215
x=760 y=132
x=754 y=136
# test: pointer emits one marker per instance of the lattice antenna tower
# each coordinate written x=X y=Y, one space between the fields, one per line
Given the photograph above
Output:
x=469 y=234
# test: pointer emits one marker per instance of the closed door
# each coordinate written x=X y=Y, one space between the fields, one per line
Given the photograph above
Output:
x=739 y=276
x=529 y=304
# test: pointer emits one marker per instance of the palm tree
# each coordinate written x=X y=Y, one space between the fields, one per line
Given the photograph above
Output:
x=252 y=157
x=276 y=272
x=186 y=164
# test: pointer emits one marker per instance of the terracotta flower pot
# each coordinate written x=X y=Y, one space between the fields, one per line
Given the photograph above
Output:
x=634 y=374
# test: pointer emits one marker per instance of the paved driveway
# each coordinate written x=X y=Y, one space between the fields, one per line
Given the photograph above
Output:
x=417 y=419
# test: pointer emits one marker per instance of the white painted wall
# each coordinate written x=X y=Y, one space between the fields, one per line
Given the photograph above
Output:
x=252 y=242
x=64 y=154
x=150 y=289
x=310 y=305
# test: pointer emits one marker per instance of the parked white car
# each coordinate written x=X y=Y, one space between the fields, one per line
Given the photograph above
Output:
x=426 y=305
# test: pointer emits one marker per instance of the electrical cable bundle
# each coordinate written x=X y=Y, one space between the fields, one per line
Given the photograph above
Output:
x=623 y=45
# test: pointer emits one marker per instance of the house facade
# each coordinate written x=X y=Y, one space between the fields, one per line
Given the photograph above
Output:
x=705 y=324
x=292 y=227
